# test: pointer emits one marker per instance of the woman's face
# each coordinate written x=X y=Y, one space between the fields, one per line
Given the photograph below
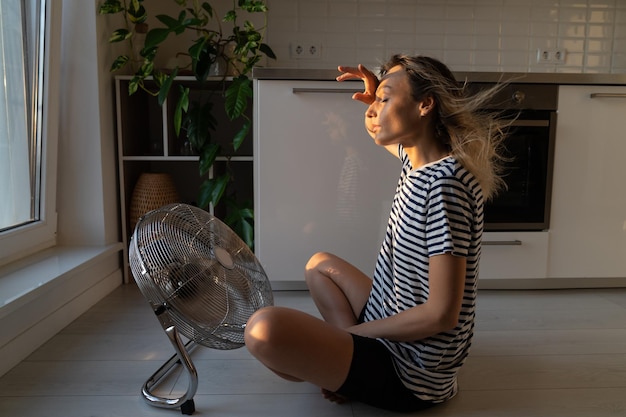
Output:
x=395 y=117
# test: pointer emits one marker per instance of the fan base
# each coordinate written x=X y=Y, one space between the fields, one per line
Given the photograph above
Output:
x=188 y=407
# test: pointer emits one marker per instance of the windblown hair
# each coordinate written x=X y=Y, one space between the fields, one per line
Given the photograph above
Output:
x=472 y=134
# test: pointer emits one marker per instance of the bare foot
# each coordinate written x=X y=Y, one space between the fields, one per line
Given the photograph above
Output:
x=334 y=397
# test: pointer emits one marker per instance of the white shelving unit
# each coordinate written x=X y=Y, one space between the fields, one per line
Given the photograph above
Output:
x=147 y=143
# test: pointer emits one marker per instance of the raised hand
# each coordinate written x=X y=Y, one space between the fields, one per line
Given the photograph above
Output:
x=369 y=78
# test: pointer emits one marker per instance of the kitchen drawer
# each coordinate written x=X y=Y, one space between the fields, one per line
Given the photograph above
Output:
x=514 y=255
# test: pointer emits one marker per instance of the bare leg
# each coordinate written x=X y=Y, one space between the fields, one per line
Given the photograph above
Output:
x=340 y=292
x=298 y=346
x=339 y=289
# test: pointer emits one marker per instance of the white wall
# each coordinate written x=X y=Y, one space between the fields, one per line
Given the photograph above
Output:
x=468 y=35
x=87 y=202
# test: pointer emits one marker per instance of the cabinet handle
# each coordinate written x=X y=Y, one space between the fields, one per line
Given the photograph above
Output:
x=607 y=95
x=502 y=242
x=297 y=90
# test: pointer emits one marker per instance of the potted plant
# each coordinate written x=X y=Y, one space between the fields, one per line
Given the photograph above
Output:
x=220 y=37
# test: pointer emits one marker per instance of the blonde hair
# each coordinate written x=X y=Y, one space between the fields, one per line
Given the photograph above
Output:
x=473 y=135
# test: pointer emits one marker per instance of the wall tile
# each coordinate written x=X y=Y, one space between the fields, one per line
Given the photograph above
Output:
x=477 y=35
x=595 y=46
x=545 y=29
x=343 y=9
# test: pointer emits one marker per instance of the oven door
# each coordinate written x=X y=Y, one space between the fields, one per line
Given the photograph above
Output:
x=525 y=203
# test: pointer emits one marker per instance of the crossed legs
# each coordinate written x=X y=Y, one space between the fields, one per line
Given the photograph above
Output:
x=300 y=347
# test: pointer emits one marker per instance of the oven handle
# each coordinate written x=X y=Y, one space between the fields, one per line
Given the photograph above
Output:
x=502 y=242
x=607 y=95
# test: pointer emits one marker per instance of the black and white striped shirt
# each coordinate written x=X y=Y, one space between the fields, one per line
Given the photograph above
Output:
x=437 y=209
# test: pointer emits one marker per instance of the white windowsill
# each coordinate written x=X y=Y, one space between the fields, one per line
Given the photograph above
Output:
x=26 y=279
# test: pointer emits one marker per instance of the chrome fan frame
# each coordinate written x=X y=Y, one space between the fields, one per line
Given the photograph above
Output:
x=201 y=281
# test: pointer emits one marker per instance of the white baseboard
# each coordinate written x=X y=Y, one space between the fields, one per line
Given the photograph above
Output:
x=550 y=283
x=504 y=284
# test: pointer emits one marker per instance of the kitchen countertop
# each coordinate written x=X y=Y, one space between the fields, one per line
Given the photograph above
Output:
x=517 y=77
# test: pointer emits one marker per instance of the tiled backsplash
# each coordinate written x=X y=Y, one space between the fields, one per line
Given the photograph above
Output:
x=468 y=35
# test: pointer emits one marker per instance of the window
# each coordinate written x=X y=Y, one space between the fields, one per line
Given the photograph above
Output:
x=27 y=221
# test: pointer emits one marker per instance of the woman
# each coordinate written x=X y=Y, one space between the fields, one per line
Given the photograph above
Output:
x=398 y=341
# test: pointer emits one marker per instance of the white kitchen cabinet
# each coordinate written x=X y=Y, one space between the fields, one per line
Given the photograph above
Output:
x=588 y=219
x=514 y=255
x=310 y=152
x=321 y=184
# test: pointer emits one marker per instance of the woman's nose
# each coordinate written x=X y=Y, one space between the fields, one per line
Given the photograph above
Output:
x=370 y=112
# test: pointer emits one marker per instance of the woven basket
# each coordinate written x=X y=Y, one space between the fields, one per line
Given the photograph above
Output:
x=152 y=191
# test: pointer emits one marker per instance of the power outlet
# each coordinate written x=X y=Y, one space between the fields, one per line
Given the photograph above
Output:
x=305 y=50
x=551 y=56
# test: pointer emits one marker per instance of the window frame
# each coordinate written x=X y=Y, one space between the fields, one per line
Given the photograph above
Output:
x=40 y=234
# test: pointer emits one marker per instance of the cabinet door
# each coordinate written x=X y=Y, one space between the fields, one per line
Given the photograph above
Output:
x=321 y=184
x=514 y=255
x=588 y=220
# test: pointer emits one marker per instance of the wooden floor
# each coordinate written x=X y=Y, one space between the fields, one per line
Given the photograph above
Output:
x=536 y=353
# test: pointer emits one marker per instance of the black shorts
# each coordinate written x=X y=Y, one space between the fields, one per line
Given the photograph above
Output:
x=373 y=380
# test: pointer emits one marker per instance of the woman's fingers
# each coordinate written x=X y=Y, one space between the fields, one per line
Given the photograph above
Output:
x=369 y=79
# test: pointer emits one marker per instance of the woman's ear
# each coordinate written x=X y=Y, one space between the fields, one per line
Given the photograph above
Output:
x=426 y=105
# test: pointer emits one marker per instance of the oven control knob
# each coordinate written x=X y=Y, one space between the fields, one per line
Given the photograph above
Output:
x=518 y=97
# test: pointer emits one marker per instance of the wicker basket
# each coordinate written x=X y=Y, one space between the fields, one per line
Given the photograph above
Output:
x=153 y=190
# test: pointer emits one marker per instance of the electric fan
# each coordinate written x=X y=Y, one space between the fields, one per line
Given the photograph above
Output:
x=202 y=282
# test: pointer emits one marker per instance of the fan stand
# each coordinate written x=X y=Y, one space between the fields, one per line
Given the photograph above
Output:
x=185 y=402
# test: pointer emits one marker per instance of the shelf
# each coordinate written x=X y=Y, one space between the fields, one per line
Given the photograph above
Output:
x=186 y=158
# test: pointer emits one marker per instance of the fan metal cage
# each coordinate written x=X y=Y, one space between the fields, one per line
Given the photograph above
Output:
x=201 y=280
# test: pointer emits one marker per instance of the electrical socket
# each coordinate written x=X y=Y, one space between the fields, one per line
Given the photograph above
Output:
x=551 y=56
x=305 y=50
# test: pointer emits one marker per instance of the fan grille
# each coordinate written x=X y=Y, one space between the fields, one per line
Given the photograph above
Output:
x=193 y=267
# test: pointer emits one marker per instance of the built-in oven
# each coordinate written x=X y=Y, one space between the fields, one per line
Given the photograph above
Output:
x=529 y=152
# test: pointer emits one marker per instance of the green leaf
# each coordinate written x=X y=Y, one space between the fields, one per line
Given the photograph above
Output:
x=253 y=6
x=146 y=69
x=155 y=37
x=164 y=90
x=265 y=48
x=160 y=78
x=195 y=50
x=136 y=13
x=241 y=135
x=200 y=121
x=149 y=53
x=181 y=107
x=120 y=35
x=168 y=21
x=230 y=16
x=207 y=157
x=245 y=230
x=134 y=84
x=240 y=218
x=201 y=65
x=207 y=8
x=111 y=7
x=237 y=96
x=250 y=28
x=211 y=190
x=119 y=62
x=182 y=23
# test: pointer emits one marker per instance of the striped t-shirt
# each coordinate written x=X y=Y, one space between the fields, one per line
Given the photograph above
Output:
x=437 y=209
